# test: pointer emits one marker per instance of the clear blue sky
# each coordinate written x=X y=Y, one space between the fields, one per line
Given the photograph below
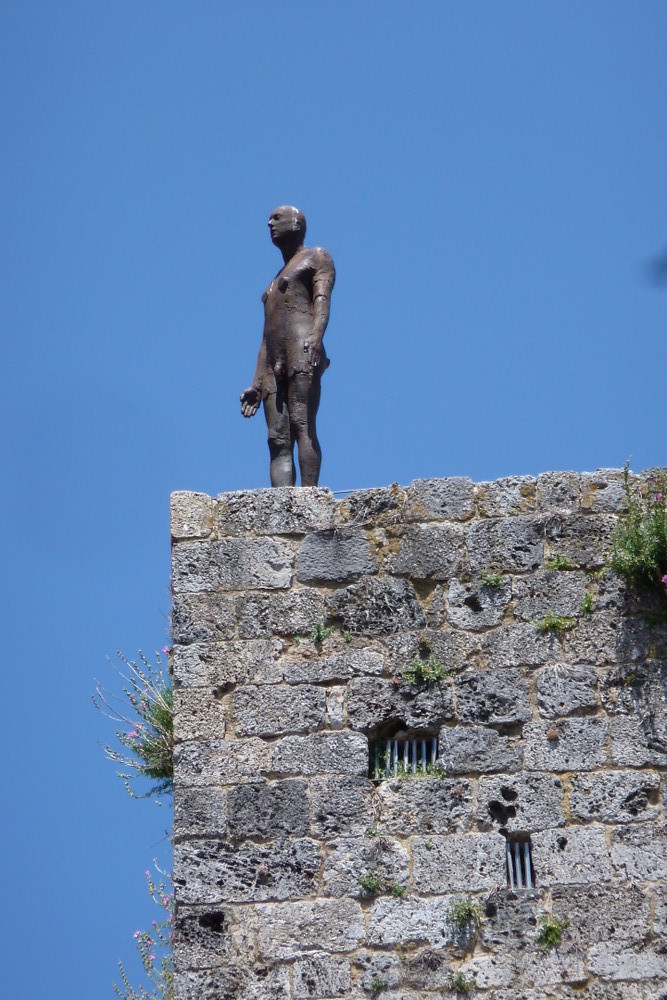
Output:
x=490 y=180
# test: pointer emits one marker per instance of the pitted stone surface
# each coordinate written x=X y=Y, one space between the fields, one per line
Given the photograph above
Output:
x=429 y=552
x=373 y=701
x=492 y=697
x=615 y=796
x=521 y=803
x=275 y=710
x=477 y=607
x=335 y=556
x=563 y=690
x=296 y=616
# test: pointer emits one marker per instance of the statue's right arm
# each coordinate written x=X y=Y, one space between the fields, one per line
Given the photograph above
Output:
x=252 y=397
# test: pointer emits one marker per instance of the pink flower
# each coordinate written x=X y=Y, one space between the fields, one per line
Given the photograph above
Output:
x=664 y=582
x=147 y=874
x=166 y=649
x=151 y=958
x=658 y=498
x=137 y=934
x=133 y=735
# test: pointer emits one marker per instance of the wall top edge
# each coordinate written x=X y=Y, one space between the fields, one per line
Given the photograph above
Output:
x=295 y=510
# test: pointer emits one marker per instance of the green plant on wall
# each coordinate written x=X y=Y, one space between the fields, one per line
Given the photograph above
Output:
x=155 y=949
x=550 y=932
x=639 y=542
x=144 y=713
x=425 y=671
x=458 y=983
x=555 y=623
x=494 y=580
x=559 y=561
x=463 y=912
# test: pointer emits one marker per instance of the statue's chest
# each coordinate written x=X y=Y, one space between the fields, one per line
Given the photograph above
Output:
x=291 y=289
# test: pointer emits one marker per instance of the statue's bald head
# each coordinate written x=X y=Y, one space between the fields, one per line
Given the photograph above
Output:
x=287 y=222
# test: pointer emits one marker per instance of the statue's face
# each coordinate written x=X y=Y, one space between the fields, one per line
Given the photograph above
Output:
x=284 y=222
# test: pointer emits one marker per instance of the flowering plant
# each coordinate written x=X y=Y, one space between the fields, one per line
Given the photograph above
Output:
x=155 y=949
x=639 y=542
x=145 y=710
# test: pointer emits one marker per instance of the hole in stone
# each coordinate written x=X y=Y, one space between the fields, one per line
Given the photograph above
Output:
x=508 y=794
x=562 y=843
x=519 y=863
x=500 y=813
x=213 y=922
x=473 y=602
x=490 y=909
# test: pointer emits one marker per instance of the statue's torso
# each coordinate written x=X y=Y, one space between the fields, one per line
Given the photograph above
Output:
x=288 y=313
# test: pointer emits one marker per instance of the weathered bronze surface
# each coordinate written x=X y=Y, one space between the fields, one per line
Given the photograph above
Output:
x=292 y=356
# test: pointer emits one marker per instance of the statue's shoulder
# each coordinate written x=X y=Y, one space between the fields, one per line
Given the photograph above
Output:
x=321 y=257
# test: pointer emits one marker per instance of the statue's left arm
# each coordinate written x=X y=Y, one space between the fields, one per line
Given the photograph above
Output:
x=324 y=276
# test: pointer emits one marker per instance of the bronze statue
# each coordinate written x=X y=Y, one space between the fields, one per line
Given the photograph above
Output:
x=292 y=357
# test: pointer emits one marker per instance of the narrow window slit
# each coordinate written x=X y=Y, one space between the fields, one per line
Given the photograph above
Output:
x=397 y=757
x=520 y=871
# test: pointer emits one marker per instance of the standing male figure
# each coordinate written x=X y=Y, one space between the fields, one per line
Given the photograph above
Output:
x=292 y=357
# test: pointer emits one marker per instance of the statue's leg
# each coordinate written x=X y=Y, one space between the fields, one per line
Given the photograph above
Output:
x=304 y=402
x=281 y=444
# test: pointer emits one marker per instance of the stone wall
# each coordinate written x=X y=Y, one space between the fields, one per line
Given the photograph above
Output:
x=301 y=875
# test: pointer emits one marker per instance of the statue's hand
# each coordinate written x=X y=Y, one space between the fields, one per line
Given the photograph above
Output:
x=313 y=349
x=250 y=400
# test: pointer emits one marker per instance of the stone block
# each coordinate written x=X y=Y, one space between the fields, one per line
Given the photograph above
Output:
x=449 y=499
x=476 y=607
x=352 y=858
x=603 y=492
x=425 y=805
x=469 y=862
x=202 y=618
x=372 y=702
x=615 y=796
x=477 y=749
x=492 y=697
x=521 y=803
x=213 y=871
x=378 y=507
x=221 y=762
x=490 y=972
x=341 y=806
x=452 y=648
x=577 y=855
x=411 y=921
x=285 y=510
x=507 y=496
x=341 y=666
x=192 y=515
x=581 y=745
x=584 y=540
x=232 y=564
x=506 y=545
x=509 y=921
x=558 y=591
x=277 y=709
x=198 y=714
x=632 y=745
x=295 y=613
x=321 y=975
x=639 y=851
x=223 y=983
x=335 y=556
x=428 y=552
x=321 y=753
x=372 y=966
x=641 y=962
x=291 y=930
x=428 y=969
x=594 y=640
x=610 y=912
x=376 y=606
x=517 y=645
x=558 y=491
x=221 y=664
x=200 y=812
x=563 y=690
x=201 y=937
x=265 y=811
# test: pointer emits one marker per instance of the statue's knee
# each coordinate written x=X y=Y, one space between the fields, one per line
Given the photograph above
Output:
x=279 y=441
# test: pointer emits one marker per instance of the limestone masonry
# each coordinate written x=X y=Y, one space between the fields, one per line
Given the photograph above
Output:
x=345 y=831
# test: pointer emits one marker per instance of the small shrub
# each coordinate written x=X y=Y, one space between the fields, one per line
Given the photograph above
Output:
x=397 y=890
x=550 y=932
x=372 y=831
x=494 y=580
x=378 y=985
x=155 y=949
x=587 y=603
x=559 y=561
x=555 y=623
x=371 y=882
x=321 y=632
x=639 y=542
x=459 y=984
x=425 y=671
x=347 y=636
x=463 y=912
x=145 y=711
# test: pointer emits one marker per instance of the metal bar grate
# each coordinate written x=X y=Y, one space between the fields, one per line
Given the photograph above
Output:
x=394 y=758
x=520 y=871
